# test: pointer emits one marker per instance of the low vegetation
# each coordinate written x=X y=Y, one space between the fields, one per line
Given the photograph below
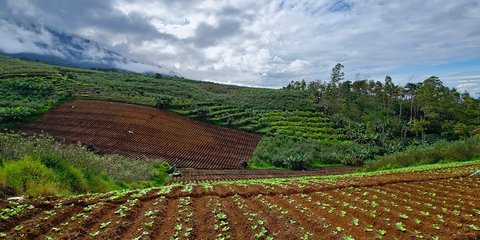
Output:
x=427 y=202
x=440 y=152
x=41 y=166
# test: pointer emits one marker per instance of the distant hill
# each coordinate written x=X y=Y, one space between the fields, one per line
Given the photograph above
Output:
x=70 y=50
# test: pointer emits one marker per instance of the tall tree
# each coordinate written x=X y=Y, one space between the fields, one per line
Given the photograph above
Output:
x=337 y=74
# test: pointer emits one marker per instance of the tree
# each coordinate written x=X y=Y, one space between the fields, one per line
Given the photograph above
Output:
x=337 y=74
x=296 y=85
x=163 y=101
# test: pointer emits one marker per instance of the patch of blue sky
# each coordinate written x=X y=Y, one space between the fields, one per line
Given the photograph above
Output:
x=340 y=6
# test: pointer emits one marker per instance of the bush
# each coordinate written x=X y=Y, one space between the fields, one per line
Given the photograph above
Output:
x=463 y=150
x=286 y=152
x=161 y=176
x=28 y=176
x=74 y=168
x=12 y=114
x=163 y=102
x=202 y=112
x=282 y=152
x=347 y=153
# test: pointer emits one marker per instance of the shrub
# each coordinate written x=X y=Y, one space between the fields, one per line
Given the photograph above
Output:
x=28 y=176
x=347 y=153
x=9 y=114
x=282 y=152
x=202 y=112
x=456 y=151
x=74 y=168
x=161 y=175
x=163 y=102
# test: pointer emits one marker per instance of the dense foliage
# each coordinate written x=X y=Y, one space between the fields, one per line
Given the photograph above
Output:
x=386 y=118
x=440 y=152
x=41 y=166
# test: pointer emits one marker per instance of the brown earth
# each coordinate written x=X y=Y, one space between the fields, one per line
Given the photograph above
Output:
x=189 y=175
x=442 y=203
x=137 y=131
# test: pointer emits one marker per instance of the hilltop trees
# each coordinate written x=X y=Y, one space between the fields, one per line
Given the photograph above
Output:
x=387 y=115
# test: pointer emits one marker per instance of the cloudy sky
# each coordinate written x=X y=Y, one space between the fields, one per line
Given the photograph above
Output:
x=269 y=43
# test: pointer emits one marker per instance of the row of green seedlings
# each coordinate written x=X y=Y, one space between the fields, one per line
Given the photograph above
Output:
x=183 y=227
x=331 y=207
x=364 y=206
x=149 y=215
x=221 y=225
x=149 y=218
x=272 y=184
x=256 y=223
x=282 y=213
x=17 y=208
x=121 y=210
x=338 y=210
x=439 y=195
x=438 y=200
x=412 y=211
x=47 y=214
x=13 y=211
x=402 y=216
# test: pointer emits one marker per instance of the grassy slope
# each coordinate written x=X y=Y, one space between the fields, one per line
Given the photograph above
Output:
x=41 y=166
x=29 y=89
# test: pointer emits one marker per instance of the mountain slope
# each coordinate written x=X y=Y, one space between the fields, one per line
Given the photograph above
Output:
x=41 y=43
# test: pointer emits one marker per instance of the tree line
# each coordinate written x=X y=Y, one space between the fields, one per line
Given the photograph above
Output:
x=390 y=115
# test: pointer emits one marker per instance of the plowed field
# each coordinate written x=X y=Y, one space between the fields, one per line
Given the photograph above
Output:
x=198 y=175
x=142 y=131
x=430 y=204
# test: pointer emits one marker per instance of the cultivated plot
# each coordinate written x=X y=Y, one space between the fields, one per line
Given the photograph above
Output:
x=430 y=204
x=143 y=131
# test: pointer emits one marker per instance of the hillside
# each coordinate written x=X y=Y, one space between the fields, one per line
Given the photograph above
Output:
x=303 y=125
x=137 y=131
x=31 y=89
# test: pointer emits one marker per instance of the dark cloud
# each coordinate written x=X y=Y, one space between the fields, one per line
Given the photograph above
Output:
x=207 y=35
x=72 y=16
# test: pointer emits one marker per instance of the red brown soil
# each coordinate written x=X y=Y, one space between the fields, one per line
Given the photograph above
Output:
x=328 y=208
x=198 y=175
x=139 y=131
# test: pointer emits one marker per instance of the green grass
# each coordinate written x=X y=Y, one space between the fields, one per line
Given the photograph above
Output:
x=41 y=166
x=319 y=164
x=441 y=152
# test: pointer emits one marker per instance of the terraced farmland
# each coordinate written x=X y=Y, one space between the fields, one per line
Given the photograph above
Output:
x=304 y=125
x=426 y=203
x=142 y=131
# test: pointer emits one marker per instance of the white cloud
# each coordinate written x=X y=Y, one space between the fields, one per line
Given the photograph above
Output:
x=297 y=65
x=270 y=43
x=19 y=40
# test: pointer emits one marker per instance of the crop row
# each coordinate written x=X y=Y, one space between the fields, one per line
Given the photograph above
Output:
x=431 y=204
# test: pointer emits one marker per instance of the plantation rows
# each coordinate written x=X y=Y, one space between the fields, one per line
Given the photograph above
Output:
x=306 y=125
x=199 y=175
x=431 y=204
x=140 y=131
